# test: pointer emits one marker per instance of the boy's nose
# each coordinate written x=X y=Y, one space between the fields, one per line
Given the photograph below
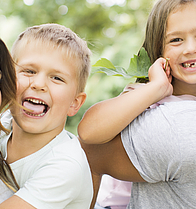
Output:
x=38 y=83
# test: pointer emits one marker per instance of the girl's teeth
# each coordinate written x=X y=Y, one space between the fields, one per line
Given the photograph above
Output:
x=187 y=65
x=193 y=64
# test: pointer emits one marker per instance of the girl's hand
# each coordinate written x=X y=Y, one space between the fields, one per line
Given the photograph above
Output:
x=160 y=75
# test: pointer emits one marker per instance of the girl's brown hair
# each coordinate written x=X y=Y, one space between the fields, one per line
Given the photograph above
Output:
x=156 y=26
x=7 y=81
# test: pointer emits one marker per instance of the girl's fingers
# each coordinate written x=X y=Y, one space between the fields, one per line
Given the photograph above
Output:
x=168 y=70
x=167 y=63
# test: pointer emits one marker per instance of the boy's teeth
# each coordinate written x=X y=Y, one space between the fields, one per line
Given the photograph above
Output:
x=35 y=115
x=35 y=101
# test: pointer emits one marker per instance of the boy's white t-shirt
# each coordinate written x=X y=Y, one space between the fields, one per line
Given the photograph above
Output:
x=57 y=176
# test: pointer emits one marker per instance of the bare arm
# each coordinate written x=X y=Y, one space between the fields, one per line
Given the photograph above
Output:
x=102 y=160
x=16 y=203
x=103 y=121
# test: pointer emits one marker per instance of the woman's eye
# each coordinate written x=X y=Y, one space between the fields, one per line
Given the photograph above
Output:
x=176 y=40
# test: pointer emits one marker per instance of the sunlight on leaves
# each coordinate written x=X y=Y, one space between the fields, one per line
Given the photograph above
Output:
x=108 y=3
x=28 y=2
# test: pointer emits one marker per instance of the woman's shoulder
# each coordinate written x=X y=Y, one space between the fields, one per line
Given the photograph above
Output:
x=6 y=119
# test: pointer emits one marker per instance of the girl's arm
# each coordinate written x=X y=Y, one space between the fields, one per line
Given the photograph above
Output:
x=104 y=120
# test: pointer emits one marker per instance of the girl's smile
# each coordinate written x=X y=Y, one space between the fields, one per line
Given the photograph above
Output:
x=189 y=64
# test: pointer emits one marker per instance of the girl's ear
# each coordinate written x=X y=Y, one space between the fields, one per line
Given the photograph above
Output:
x=76 y=104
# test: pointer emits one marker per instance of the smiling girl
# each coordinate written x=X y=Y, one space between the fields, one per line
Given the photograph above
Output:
x=157 y=149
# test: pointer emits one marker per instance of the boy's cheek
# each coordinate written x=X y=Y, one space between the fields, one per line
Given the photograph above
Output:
x=22 y=82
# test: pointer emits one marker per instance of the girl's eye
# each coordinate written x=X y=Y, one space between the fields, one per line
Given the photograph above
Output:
x=176 y=40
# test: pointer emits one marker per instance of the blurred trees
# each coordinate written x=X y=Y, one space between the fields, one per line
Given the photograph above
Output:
x=113 y=29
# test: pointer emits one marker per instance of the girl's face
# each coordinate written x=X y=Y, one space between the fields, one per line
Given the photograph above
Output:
x=180 y=44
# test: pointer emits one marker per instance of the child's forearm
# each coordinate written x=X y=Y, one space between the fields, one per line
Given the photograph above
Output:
x=106 y=119
x=103 y=121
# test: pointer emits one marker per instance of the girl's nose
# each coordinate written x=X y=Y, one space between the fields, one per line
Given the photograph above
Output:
x=190 y=46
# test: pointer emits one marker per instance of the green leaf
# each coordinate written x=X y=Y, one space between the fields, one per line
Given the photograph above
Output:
x=118 y=71
x=103 y=62
x=139 y=65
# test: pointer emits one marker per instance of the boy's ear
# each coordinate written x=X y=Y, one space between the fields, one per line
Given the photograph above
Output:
x=76 y=104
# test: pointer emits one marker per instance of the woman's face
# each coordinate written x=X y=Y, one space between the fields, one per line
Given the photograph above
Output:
x=180 y=44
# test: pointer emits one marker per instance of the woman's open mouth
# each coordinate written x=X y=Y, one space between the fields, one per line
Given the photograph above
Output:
x=35 y=107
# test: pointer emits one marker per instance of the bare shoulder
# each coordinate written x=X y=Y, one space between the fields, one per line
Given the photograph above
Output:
x=15 y=202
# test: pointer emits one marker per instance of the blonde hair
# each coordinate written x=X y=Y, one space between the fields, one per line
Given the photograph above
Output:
x=8 y=80
x=156 y=26
x=60 y=37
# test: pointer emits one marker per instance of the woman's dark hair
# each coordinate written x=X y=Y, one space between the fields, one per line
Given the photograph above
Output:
x=7 y=81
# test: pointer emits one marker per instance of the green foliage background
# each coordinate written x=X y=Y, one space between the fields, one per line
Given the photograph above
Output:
x=114 y=29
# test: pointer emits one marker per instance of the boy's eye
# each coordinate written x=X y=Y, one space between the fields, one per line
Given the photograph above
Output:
x=176 y=40
x=28 y=71
x=57 y=78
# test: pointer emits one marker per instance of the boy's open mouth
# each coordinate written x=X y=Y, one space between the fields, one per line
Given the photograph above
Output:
x=37 y=108
x=189 y=65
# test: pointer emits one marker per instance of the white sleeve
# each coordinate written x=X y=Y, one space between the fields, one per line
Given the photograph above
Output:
x=6 y=121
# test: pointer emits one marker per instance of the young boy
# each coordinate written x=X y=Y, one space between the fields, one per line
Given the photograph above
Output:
x=49 y=164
